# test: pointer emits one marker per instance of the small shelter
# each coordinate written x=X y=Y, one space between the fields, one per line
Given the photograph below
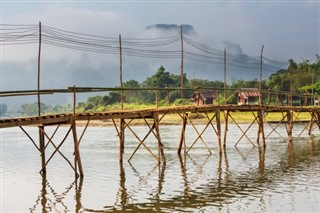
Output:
x=204 y=97
x=248 y=96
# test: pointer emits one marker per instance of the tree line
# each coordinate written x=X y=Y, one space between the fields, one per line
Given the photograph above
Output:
x=302 y=77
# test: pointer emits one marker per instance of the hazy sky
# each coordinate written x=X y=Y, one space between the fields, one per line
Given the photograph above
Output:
x=288 y=29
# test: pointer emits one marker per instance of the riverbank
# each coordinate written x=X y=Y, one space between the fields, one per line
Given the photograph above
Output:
x=201 y=118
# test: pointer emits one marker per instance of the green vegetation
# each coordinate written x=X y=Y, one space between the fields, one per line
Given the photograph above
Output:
x=305 y=79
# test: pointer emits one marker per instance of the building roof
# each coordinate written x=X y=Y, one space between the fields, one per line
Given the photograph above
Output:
x=248 y=92
x=205 y=94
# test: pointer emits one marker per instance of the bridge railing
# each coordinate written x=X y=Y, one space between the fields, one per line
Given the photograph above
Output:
x=169 y=96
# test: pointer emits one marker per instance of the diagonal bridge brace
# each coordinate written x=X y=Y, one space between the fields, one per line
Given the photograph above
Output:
x=199 y=137
x=244 y=133
x=154 y=129
x=56 y=150
x=274 y=129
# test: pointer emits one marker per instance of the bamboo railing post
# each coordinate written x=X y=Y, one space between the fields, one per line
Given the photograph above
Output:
x=260 y=83
x=74 y=101
x=157 y=99
x=182 y=136
x=218 y=102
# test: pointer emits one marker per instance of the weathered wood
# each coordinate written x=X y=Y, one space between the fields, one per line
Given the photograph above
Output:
x=38 y=80
x=219 y=131
x=161 y=154
x=121 y=139
x=261 y=127
x=289 y=125
x=30 y=138
x=183 y=130
x=56 y=150
x=243 y=132
x=77 y=158
x=42 y=150
x=226 y=115
x=199 y=134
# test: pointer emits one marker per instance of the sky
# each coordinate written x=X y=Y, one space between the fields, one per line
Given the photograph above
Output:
x=287 y=29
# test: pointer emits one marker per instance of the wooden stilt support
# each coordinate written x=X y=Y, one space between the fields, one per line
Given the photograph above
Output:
x=218 y=130
x=42 y=150
x=261 y=128
x=160 y=145
x=311 y=124
x=289 y=125
x=121 y=139
x=182 y=136
x=226 y=115
x=77 y=158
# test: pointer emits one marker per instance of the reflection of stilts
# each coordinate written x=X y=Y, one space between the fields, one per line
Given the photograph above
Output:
x=262 y=155
x=52 y=205
x=78 y=190
x=186 y=188
x=122 y=192
x=291 y=156
x=160 y=186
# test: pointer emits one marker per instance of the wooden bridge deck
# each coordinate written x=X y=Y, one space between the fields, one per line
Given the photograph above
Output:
x=142 y=113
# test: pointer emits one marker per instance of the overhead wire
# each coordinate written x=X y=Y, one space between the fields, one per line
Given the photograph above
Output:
x=135 y=47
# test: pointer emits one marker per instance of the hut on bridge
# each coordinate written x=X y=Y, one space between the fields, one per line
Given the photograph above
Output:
x=248 y=96
x=204 y=97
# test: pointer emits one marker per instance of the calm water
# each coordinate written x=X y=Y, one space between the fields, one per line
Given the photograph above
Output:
x=281 y=178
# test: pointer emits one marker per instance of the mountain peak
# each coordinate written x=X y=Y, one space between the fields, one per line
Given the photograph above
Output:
x=187 y=29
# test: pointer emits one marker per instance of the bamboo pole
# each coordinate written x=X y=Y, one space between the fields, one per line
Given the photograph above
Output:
x=260 y=83
x=121 y=139
x=121 y=84
x=77 y=158
x=42 y=150
x=160 y=144
x=218 y=121
x=38 y=81
x=181 y=70
x=226 y=115
x=311 y=123
x=183 y=130
x=261 y=127
x=225 y=76
x=289 y=125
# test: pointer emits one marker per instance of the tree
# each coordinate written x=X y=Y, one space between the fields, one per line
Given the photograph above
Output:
x=160 y=79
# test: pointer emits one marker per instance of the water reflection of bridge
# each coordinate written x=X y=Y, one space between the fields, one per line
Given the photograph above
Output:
x=217 y=116
x=221 y=188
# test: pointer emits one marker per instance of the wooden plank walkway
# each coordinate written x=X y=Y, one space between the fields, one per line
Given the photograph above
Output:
x=144 y=113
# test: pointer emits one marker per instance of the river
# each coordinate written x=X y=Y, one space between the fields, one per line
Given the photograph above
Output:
x=284 y=177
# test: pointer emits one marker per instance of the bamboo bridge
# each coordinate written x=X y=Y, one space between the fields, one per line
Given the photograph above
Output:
x=218 y=116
